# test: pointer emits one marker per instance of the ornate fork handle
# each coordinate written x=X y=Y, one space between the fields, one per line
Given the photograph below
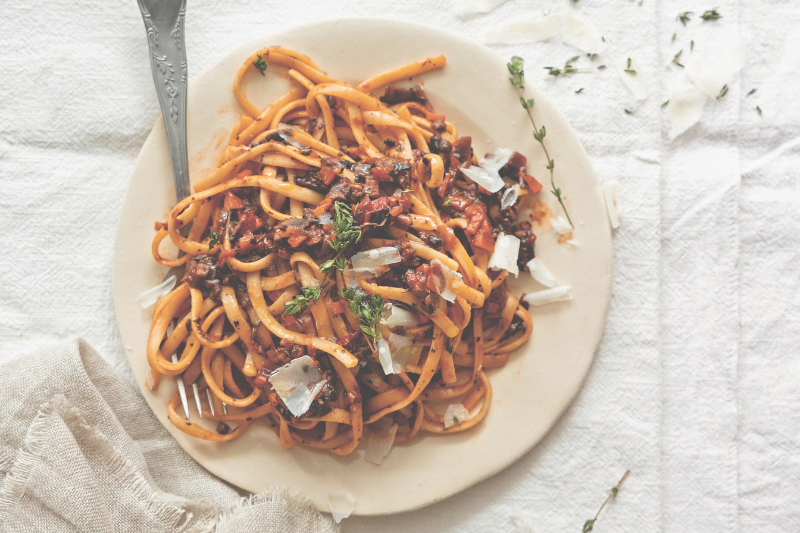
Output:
x=163 y=20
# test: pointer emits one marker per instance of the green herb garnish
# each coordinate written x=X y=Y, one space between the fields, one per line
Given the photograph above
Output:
x=711 y=14
x=367 y=308
x=339 y=263
x=213 y=239
x=589 y=524
x=518 y=80
x=260 y=64
x=303 y=301
x=684 y=17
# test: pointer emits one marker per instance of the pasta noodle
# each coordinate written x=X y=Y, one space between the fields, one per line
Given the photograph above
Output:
x=338 y=241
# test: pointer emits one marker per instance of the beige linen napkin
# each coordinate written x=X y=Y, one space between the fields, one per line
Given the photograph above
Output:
x=80 y=450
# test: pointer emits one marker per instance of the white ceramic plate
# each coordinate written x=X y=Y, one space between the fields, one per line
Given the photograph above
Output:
x=540 y=379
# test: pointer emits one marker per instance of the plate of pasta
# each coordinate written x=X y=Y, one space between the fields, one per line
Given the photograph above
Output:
x=359 y=266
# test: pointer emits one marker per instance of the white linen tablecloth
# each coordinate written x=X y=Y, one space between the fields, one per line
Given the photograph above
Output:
x=694 y=387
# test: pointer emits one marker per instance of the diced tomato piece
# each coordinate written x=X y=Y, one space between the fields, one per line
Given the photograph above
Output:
x=533 y=185
x=433 y=116
x=323 y=206
x=290 y=321
x=483 y=238
x=259 y=381
x=297 y=240
x=232 y=201
x=327 y=175
x=245 y=242
x=312 y=352
x=381 y=174
x=396 y=210
x=337 y=308
x=347 y=339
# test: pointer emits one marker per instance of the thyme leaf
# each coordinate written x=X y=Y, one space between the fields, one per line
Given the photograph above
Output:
x=711 y=14
x=589 y=524
x=301 y=302
x=260 y=64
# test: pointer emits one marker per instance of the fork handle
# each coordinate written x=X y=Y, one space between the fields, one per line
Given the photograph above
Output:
x=163 y=20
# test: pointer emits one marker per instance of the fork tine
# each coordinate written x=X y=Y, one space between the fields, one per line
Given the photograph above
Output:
x=210 y=402
x=197 y=399
x=181 y=390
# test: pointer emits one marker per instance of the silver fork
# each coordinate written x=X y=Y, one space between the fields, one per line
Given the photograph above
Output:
x=163 y=20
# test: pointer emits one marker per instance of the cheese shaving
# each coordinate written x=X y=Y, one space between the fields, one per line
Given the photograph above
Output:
x=488 y=174
x=716 y=69
x=448 y=277
x=341 y=506
x=556 y=294
x=351 y=275
x=456 y=414
x=577 y=32
x=560 y=225
x=149 y=297
x=635 y=82
x=612 y=202
x=376 y=258
x=298 y=383
x=510 y=197
x=394 y=316
x=378 y=446
x=385 y=357
x=505 y=255
x=685 y=108
x=394 y=353
x=540 y=273
x=538 y=29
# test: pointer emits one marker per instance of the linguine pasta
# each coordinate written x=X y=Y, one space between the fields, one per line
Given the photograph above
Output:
x=339 y=232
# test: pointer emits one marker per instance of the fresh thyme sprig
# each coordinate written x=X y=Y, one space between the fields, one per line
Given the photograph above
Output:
x=589 y=524
x=684 y=17
x=213 y=239
x=346 y=232
x=517 y=79
x=711 y=14
x=367 y=308
x=303 y=301
x=260 y=64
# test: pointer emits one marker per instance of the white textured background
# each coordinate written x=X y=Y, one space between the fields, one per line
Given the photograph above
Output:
x=695 y=385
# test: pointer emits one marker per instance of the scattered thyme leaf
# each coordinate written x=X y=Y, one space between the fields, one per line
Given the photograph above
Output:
x=455 y=418
x=691 y=46
x=301 y=302
x=213 y=239
x=664 y=104
x=339 y=263
x=406 y=190
x=677 y=58
x=260 y=64
x=601 y=67
x=565 y=70
x=673 y=37
x=751 y=92
x=758 y=109
x=628 y=111
x=579 y=91
x=711 y=14
x=447 y=201
x=684 y=17
x=722 y=92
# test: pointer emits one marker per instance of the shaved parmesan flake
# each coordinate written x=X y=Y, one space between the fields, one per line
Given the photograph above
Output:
x=560 y=225
x=635 y=82
x=556 y=294
x=375 y=258
x=612 y=202
x=151 y=296
x=351 y=275
x=298 y=383
x=456 y=414
x=488 y=174
x=577 y=32
x=572 y=242
x=385 y=357
x=506 y=252
x=685 y=108
x=341 y=506
x=403 y=351
x=539 y=29
x=510 y=197
x=465 y=8
x=712 y=71
x=325 y=218
x=378 y=446
x=394 y=316
x=540 y=273
x=449 y=276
